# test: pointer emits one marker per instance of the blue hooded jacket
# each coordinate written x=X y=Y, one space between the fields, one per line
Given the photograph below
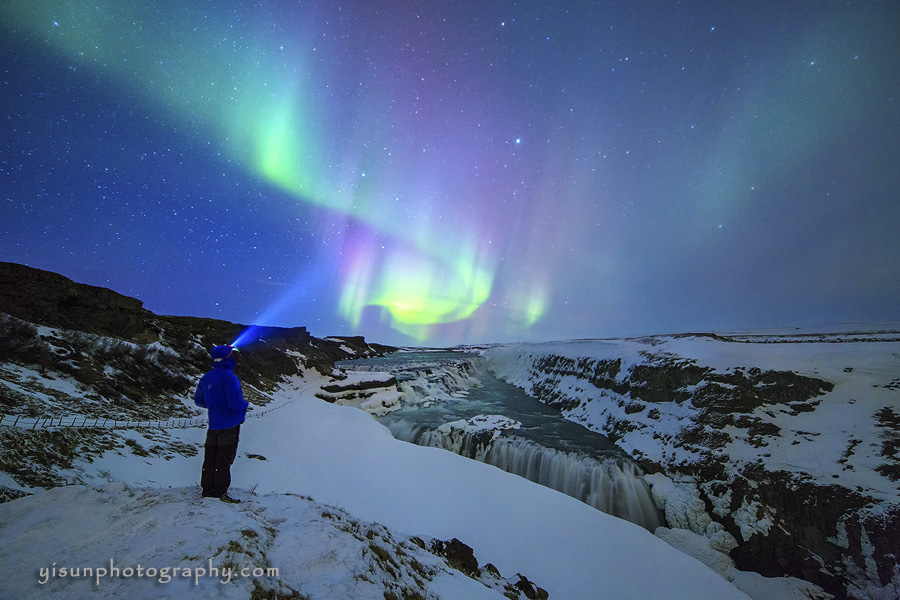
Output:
x=219 y=391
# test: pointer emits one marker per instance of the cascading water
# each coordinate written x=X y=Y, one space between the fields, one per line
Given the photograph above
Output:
x=446 y=398
x=613 y=486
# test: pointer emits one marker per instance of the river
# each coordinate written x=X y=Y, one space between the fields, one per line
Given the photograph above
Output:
x=451 y=401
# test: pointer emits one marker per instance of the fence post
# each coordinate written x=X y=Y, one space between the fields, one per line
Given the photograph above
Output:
x=1 y=419
x=83 y=422
x=73 y=421
x=17 y=420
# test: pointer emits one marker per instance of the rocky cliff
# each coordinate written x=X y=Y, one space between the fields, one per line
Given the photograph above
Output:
x=781 y=450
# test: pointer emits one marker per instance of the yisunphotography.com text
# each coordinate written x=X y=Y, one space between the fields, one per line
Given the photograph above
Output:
x=161 y=574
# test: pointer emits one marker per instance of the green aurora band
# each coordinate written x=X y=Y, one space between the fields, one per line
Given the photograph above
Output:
x=259 y=110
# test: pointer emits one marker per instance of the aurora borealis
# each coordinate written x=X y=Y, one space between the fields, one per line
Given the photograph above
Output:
x=452 y=172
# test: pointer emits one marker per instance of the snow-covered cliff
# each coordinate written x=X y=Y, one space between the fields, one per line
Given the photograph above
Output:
x=782 y=449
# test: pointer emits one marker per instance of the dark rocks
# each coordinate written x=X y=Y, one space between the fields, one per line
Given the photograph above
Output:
x=360 y=386
x=889 y=422
x=666 y=382
x=822 y=534
x=530 y=590
x=459 y=556
x=47 y=298
x=668 y=378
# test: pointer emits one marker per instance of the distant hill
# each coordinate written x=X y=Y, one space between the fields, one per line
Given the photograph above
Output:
x=43 y=298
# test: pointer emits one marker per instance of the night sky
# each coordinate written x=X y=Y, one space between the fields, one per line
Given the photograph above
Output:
x=445 y=172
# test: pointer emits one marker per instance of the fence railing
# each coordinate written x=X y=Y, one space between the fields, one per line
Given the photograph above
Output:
x=97 y=422
x=118 y=423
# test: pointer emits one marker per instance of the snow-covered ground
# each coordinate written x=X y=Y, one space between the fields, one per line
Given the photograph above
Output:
x=128 y=542
x=337 y=456
x=339 y=459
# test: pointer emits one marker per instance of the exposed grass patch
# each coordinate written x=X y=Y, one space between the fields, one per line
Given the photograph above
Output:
x=889 y=421
x=34 y=457
x=261 y=593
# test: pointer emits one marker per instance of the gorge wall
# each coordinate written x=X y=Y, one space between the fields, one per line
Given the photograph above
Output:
x=789 y=448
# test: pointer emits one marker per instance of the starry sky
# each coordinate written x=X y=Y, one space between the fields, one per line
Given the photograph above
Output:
x=436 y=172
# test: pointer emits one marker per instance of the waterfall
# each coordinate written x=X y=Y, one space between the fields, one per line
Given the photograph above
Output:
x=611 y=486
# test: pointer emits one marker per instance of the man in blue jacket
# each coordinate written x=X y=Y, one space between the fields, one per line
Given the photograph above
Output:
x=219 y=392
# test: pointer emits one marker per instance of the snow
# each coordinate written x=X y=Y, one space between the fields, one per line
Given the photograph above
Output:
x=685 y=509
x=456 y=435
x=341 y=457
x=356 y=377
x=43 y=387
x=481 y=423
x=313 y=548
x=377 y=401
x=831 y=439
x=814 y=444
x=745 y=517
x=698 y=546
x=783 y=588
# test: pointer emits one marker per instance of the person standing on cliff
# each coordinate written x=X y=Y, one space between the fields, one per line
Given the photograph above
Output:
x=219 y=392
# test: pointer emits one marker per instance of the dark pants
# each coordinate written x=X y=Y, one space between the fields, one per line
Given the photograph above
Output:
x=221 y=448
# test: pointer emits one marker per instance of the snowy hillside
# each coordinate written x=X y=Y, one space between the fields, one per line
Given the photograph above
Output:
x=340 y=457
x=169 y=543
x=786 y=442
